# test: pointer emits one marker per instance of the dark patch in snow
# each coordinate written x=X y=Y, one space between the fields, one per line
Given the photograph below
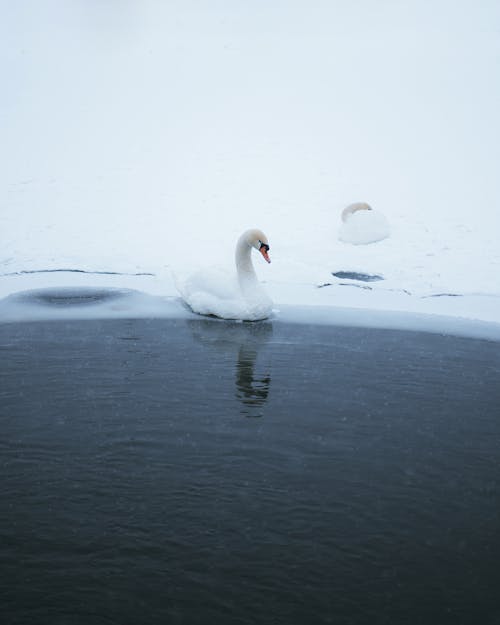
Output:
x=101 y=273
x=355 y=275
x=400 y=291
x=358 y=286
x=443 y=295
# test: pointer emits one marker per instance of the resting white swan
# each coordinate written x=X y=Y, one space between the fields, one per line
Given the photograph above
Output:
x=240 y=296
x=361 y=224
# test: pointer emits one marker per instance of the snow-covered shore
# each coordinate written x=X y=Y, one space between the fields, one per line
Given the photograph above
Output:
x=143 y=138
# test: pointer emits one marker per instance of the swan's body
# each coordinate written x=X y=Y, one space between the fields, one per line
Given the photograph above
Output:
x=361 y=225
x=215 y=292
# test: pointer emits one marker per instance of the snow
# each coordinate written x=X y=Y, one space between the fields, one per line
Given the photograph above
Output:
x=143 y=138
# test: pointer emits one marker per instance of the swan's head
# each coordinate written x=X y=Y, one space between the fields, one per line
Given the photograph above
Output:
x=258 y=240
x=354 y=208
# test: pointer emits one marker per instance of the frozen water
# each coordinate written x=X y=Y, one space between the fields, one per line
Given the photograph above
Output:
x=70 y=303
x=68 y=296
x=57 y=303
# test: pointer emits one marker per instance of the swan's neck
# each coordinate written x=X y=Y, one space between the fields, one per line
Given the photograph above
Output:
x=244 y=265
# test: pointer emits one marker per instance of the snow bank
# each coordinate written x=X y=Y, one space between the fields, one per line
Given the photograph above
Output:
x=144 y=138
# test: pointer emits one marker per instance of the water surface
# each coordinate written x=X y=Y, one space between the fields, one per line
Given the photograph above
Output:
x=197 y=471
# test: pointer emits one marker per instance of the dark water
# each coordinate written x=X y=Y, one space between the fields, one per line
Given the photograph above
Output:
x=356 y=275
x=204 y=472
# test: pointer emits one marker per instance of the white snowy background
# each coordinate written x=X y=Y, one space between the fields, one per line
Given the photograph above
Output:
x=142 y=136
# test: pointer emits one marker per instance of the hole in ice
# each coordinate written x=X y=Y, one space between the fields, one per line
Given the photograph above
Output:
x=355 y=275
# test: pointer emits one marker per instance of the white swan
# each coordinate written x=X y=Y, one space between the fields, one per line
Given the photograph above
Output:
x=361 y=224
x=214 y=292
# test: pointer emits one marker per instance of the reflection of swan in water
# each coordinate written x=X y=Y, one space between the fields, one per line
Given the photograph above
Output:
x=244 y=340
x=251 y=391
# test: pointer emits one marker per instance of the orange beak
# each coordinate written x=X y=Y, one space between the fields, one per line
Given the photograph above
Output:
x=264 y=253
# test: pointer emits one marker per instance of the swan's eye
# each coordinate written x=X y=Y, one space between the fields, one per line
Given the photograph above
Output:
x=264 y=245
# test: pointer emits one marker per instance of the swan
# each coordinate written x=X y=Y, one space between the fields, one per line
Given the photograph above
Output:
x=214 y=292
x=361 y=224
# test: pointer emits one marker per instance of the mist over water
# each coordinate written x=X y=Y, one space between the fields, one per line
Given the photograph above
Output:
x=197 y=471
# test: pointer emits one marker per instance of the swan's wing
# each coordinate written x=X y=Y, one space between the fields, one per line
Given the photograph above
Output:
x=214 y=292
x=211 y=292
x=206 y=304
x=214 y=282
x=257 y=303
